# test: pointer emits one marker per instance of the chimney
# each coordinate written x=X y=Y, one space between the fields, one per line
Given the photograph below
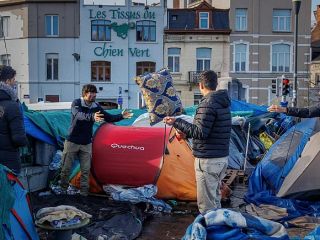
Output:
x=176 y=4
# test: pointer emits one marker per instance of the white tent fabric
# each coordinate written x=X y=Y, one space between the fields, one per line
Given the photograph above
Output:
x=143 y=120
x=304 y=178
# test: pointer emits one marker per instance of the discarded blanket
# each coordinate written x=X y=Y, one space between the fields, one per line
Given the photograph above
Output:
x=136 y=195
x=61 y=216
x=121 y=226
x=224 y=224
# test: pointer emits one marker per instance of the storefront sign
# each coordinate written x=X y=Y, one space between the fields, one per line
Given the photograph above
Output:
x=107 y=51
x=119 y=14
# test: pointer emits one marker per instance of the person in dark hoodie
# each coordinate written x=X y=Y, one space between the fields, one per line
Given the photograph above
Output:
x=12 y=131
x=85 y=111
x=210 y=133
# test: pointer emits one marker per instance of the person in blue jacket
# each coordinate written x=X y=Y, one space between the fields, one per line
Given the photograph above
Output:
x=85 y=111
x=12 y=131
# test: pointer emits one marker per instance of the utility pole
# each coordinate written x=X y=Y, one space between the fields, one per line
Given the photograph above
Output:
x=296 y=8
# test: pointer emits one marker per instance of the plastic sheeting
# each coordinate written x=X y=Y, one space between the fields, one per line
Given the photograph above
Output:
x=52 y=126
x=237 y=105
x=36 y=132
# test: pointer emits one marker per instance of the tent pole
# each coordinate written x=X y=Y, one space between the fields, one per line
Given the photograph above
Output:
x=247 y=147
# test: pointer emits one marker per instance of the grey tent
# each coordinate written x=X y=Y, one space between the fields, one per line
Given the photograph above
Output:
x=303 y=181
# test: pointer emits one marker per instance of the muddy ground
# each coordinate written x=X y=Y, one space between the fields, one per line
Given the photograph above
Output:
x=155 y=225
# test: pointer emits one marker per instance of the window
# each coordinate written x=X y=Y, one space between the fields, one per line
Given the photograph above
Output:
x=281 y=20
x=4 y=26
x=146 y=31
x=203 y=59
x=52 y=66
x=5 y=59
x=101 y=71
x=52 y=98
x=174 y=17
x=203 y=20
x=174 y=59
x=52 y=25
x=240 y=60
x=281 y=58
x=100 y=30
x=145 y=67
x=241 y=19
x=152 y=3
x=197 y=98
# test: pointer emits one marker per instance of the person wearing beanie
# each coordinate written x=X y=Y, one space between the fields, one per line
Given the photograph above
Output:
x=12 y=131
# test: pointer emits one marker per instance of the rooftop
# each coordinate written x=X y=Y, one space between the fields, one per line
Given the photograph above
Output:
x=15 y=2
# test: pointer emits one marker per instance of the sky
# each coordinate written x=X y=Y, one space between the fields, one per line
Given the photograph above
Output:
x=314 y=7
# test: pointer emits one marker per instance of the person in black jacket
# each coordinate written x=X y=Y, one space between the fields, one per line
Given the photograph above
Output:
x=296 y=112
x=85 y=111
x=12 y=131
x=210 y=133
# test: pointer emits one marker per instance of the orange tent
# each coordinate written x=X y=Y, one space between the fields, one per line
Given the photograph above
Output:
x=136 y=156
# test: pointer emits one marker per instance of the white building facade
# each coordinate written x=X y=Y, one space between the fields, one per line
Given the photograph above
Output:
x=57 y=47
x=38 y=41
x=118 y=43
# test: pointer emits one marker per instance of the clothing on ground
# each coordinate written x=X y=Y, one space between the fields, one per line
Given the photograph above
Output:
x=136 y=195
x=226 y=224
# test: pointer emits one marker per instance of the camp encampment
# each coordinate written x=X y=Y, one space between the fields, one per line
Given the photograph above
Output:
x=132 y=155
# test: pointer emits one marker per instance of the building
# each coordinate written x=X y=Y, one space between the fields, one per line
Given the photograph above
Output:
x=314 y=85
x=221 y=4
x=119 y=42
x=196 y=39
x=40 y=39
x=261 y=46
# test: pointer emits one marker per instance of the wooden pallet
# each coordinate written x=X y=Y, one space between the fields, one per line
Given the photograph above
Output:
x=232 y=176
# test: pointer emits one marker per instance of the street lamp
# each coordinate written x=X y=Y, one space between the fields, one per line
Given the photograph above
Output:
x=296 y=7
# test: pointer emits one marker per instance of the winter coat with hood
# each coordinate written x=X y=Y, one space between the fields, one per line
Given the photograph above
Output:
x=211 y=128
x=12 y=132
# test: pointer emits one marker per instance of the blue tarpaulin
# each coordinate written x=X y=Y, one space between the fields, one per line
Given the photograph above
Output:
x=237 y=105
x=36 y=132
